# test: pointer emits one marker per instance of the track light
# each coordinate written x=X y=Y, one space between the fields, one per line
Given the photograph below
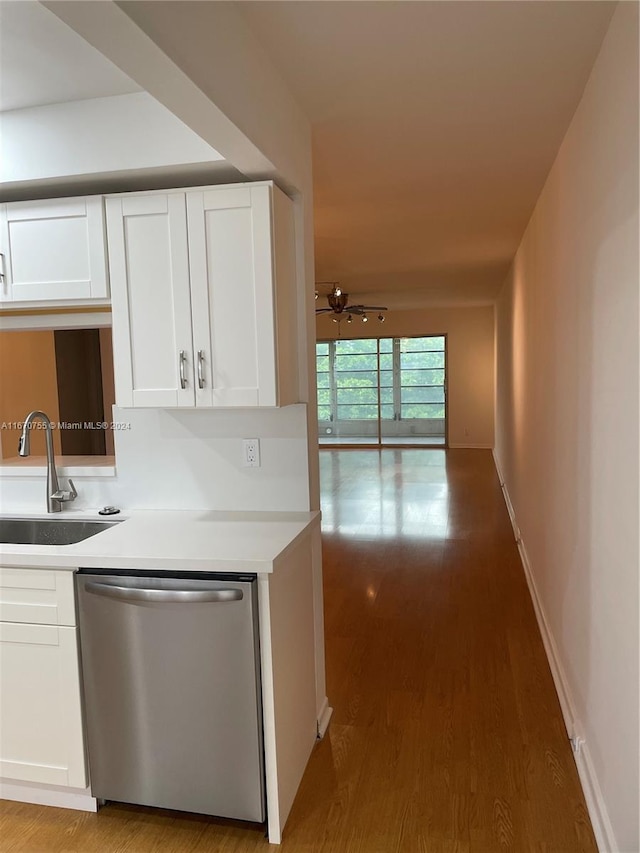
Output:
x=339 y=304
x=349 y=319
x=381 y=318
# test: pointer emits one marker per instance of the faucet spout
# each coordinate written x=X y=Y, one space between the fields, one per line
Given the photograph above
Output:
x=55 y=496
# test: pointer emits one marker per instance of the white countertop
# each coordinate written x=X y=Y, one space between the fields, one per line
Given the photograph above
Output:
x=172 y=541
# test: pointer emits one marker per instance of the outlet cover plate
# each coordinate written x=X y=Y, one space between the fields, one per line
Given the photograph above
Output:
x=251 y=452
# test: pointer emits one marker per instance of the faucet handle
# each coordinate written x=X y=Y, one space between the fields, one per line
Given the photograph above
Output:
x=64 y=494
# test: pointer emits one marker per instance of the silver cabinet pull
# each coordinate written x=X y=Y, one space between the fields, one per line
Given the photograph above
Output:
x=182 y=361
x=164 y=596
x=3 y=278
x=201 y=382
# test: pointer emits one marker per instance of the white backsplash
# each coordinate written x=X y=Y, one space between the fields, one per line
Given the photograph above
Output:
x=186 y=459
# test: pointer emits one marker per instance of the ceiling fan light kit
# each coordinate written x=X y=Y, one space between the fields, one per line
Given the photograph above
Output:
x=340 y=308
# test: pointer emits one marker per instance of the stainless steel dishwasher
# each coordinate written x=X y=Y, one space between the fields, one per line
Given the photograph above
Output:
x=170 y=667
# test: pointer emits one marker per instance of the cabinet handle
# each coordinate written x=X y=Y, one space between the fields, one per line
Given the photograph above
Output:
x=2 y=275
x=182 y=361
x=201 y=382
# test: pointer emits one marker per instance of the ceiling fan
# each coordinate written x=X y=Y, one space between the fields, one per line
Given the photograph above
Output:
x=341 y=309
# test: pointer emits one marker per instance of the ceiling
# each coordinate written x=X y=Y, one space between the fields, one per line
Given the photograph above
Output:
x=434 y=125
x=45 y=62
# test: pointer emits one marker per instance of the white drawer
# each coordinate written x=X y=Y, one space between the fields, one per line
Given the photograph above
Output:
x=37 y=596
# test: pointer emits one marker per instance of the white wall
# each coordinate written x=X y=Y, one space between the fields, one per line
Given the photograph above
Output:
x=172 y=459
x=222 y=92
x=470 y=353
x=210 y=71
x=567 y=424
x=98 y=135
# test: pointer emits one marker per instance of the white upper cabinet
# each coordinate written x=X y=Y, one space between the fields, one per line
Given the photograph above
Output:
x=53 y=250
x=151 y=307
x=204 y=297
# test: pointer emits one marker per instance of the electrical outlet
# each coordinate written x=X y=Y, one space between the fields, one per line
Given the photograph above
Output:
x=251 y=452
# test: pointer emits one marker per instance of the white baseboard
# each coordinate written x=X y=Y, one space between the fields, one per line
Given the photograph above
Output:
x=507 y=500
x=64 y=798
x=605 y=836
x=596 y=807
x=466 y=446
x=324 y=717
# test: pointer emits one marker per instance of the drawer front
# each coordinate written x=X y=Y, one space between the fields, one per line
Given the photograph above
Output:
x=37 y=596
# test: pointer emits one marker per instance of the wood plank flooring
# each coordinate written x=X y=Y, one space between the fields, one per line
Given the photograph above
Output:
x=447 y=735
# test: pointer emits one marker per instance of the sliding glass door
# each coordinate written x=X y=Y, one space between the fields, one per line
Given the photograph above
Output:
x=374 y=391
x=348 y=394
x=418 y=381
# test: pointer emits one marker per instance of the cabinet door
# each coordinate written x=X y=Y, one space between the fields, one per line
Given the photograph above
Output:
x=149 y=267
x=230 y=254
x=40 y=712
x=53 y=250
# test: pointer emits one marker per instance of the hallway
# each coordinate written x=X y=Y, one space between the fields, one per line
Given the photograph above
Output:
x=446 y=713
x=447 y=735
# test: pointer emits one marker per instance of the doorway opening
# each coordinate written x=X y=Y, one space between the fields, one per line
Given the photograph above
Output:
x=382 y=392
x=67 y=373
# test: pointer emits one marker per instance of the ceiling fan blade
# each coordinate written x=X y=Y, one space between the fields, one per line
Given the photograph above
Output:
x=324 y=311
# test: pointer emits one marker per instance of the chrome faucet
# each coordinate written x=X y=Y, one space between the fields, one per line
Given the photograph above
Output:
x=55 y=495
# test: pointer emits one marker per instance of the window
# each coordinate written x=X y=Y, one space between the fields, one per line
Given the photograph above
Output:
x=376 y=390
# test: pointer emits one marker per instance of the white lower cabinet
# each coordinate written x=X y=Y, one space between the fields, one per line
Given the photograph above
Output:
x=41 y=734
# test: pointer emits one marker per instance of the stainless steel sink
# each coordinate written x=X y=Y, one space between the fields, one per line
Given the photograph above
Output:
x=45 y=531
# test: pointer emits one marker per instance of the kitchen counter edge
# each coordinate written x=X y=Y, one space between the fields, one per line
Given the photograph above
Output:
x=188 y=541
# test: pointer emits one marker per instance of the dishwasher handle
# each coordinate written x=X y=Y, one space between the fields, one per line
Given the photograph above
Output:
x=164 y=596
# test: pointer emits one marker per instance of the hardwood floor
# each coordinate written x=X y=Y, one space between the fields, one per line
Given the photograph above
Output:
x=447 y=735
